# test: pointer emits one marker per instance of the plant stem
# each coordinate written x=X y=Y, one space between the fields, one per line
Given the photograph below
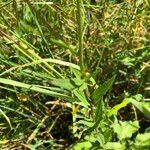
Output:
x=80 y=34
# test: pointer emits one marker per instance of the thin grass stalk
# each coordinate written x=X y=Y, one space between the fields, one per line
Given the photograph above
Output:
x=38 y=26
x=80 y=34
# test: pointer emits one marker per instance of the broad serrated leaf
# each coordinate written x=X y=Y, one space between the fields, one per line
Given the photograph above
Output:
x=115 y=146
x=142 y=141
x=82 y=146
x=125 y=129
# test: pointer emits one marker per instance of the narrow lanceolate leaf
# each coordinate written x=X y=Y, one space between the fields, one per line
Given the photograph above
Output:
x=97 y=118
x=103 y=89
x=116 y=108
x=98 y=94
x=35 y=88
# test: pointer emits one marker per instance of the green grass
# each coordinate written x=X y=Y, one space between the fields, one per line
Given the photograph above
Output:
x=74 y=75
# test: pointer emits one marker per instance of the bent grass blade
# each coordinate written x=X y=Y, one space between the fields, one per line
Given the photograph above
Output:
x=35 y=88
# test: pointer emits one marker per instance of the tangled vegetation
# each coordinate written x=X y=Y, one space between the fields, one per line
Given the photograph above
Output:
x=74 y=74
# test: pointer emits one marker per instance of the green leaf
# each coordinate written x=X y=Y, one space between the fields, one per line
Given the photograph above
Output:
x=61 y=43
x=97 y=122
x=85 y=122
x=35 y=88
x=141 y=107
x=138 y=97
x=98 y=118
x=108 y=134
x=82 y=146
x=91 y=138
x=103 y=89
x=80 y=95
x=116 y=108
x=77 y=81
x=125 y=129
x=115 y=146
x=77 y=73
x=97 y=95
x=128 y=61
x=63 y=83
x=99 y=112
x=142 y=141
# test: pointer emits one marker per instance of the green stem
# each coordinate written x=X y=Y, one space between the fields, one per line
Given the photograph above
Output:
x=80 y=33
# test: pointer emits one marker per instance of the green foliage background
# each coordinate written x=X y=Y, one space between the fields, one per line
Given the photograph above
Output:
x=74 y=74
